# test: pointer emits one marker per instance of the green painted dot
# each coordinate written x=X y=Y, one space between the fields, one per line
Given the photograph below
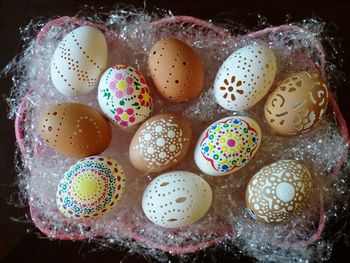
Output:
x=121 y=103
x=216 y=156
x=211 y=137
x=245 y=130
x=248 y=150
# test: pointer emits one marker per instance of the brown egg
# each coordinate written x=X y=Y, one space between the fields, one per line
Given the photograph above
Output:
x=278 y=191
x=161 y=142
x=297 y=104
x=177 y=71
x=75 y=130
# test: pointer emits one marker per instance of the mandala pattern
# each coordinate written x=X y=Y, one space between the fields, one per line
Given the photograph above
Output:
x=122 y=90
x=90 y=188
x=278 y=190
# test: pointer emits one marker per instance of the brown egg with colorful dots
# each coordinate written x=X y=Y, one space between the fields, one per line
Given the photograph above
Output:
x=74 y=129
x=278 y=191
x=160 y=143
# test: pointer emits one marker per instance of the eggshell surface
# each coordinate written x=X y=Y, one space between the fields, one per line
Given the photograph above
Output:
x=160 y=143
x=124 y=96
x=176 y=70
x=245 y=77
x=278 y=191
x=78 y=61
x=90 y=188
x=74 y=129
x=176 y=199
x=297 y=104
x=227 y=145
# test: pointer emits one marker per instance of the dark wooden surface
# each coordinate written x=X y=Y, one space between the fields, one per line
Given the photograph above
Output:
x=16 y=245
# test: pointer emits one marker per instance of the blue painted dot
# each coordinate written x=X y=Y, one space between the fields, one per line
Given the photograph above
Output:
x=224 y=167
x=206 y=148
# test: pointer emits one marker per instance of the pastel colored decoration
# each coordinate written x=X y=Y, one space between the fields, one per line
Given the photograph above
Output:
x=90 y=188
x=227 y=145
x=124 y=96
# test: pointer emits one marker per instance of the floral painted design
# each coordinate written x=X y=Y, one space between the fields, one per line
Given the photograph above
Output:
x=230 y=87
x=124 y=117
x=145 y=98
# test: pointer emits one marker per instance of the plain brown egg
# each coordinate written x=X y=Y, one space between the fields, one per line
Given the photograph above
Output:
x=177 y=71
x=75 y=130
x=160 y=143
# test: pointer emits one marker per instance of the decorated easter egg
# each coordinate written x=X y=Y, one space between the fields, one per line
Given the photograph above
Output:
x=176 y=199
x=124 y=96
x=227 y=145
x=297 y=104
x=160 y=143
x=78 y=61
x=90 y=188
x=245 y=77
x=278 y=191
x=75 y=130
x=176 y=70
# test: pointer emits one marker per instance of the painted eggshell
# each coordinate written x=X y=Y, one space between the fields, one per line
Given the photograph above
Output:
x=245 y=77
x=79 y=60
x=177 y=71
x=176 y=199
x=297 y=104
x=75 y=130
x=90 y=188
x=278 y=191
x=227 y=145
x=124 y=96
x=160 y=143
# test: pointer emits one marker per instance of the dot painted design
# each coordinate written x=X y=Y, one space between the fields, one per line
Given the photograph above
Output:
x=90 y=188
x=278 y=191
x=124 y=95
x=229 y=144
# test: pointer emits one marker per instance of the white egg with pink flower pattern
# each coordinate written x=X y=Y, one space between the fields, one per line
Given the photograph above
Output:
x=124 y=95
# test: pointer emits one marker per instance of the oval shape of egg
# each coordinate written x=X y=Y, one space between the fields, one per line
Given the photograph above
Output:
x=74 y=129
x=297 y=104
x=78 y=61
x=227 y=145
x=278 y=191
x=177 y=71
x=245 y=77
x=90 y=188
x=176 y=199
x=160 y=143
x=124 y=96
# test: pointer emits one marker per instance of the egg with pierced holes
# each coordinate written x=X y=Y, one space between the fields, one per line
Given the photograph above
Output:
x=74 y=129
x=245 y=77
x=227 y=145
x=176 y=199
x=124 y=96
x=278 y=191
x=90 y=188
x=297 y=104
x=78 y=61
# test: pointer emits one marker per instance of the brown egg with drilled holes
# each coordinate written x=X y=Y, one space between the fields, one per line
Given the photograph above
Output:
x=74 y=129
x=297 y=104
x=160 y=143
x=278 y=191
x=177 y=71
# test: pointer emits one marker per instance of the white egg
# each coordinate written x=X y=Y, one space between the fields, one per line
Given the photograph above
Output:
x=176 y=199
x=245 y=77
x=78 y=61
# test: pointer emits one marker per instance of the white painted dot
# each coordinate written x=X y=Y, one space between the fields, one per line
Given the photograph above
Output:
x=255 y=181
x=162 y=155
x=158 y=128
x=278 y=220
x=171 y=134
x=150 y=150
x=160 y=142
x=172 y=148
x=148 y=136
x=256 y=206
x=290 y=208
x=285 y=191
x=268 y=191
x=276 y=207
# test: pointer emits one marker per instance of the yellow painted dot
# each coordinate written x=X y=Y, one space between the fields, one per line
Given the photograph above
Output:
x=124 y=116
x=122 y=84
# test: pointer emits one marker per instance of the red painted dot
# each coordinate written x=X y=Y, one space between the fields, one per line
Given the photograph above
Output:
x=231 y=143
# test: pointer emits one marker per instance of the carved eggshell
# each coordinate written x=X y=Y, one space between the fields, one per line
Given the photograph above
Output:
x=124 y=96
x=160 y=143
x=297 y=104
x=74 y=129
x=227 y=145
x=90 y=188
x=245 y=77
x=176 y=199
x=278 y=191
x=78 y=61
x=176 y=70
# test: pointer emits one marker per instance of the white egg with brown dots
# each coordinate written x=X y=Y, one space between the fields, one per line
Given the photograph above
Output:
x=176 y=199
x=278 y=191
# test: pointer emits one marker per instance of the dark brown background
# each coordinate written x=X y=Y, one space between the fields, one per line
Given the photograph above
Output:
x=16 y=245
